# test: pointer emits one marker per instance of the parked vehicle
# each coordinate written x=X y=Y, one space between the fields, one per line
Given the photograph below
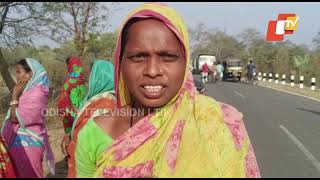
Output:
x=234 y=70
x=210 y=59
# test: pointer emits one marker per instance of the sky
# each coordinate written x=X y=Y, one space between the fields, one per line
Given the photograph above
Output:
x=234 y=17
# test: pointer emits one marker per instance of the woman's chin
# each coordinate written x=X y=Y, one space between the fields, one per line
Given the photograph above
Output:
x=153 y=103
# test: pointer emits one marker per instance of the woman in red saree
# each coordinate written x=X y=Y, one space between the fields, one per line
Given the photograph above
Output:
x=72 y=93
x=6 y=167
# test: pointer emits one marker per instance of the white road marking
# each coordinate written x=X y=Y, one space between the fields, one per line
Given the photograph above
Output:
x=306 y=152
x=290 y=92
x=239 y=94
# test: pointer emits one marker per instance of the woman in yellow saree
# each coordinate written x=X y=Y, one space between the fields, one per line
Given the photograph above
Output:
x=186 y=134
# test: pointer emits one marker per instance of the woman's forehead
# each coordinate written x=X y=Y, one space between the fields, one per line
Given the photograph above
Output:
x=149 y=25
x=152 y=28
x=18 y=66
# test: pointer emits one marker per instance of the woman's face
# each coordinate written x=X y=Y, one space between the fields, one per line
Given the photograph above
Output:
x=21 y=73
x=153 y=63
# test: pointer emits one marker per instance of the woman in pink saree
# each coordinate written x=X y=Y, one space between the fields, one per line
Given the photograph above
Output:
x=24 y=129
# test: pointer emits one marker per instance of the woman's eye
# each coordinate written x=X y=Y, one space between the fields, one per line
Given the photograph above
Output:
x=169 y=57
x=138 y=57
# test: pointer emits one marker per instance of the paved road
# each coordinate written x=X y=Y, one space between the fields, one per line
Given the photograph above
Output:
x=284 y=128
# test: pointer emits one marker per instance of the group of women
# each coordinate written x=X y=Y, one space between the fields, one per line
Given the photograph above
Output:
x=179 y=133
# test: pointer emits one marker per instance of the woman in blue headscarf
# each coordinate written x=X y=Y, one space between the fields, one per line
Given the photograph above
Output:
x=100 y=96
x=24 y=130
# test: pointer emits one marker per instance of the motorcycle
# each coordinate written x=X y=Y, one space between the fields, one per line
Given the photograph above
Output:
x=199 y=84
x=201 y=90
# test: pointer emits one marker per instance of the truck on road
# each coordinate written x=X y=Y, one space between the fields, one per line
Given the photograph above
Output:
x=197 y=63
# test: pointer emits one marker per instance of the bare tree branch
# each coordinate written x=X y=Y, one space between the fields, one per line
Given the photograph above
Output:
x=85 y=23
x=3 y=17
x=9 y=20
x=68 y=26
x=2 y=4
x=74 y=19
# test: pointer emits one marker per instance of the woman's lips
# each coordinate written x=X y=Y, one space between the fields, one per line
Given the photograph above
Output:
x=153 y=91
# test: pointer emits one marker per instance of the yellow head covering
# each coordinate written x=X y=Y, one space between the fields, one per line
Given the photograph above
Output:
x=172 y=20
x=186 y=138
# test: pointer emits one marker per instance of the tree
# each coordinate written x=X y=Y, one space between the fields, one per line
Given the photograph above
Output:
x=197 y=35
x=102 y=46
x=302 y=63
x=18 y=24
x=224 y=46
x=248 y=36
x=316 y=41
x=76 y=20
x=214 y=41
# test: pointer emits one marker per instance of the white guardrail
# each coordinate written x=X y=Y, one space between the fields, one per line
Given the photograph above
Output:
x=263 y=77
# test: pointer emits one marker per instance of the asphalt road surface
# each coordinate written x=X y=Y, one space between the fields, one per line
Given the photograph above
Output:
x=284 y=128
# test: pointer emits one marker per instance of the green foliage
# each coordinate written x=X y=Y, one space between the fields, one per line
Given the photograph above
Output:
x=76 y=21
x=53 y=59
x=101 y=46
x=216 y=42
